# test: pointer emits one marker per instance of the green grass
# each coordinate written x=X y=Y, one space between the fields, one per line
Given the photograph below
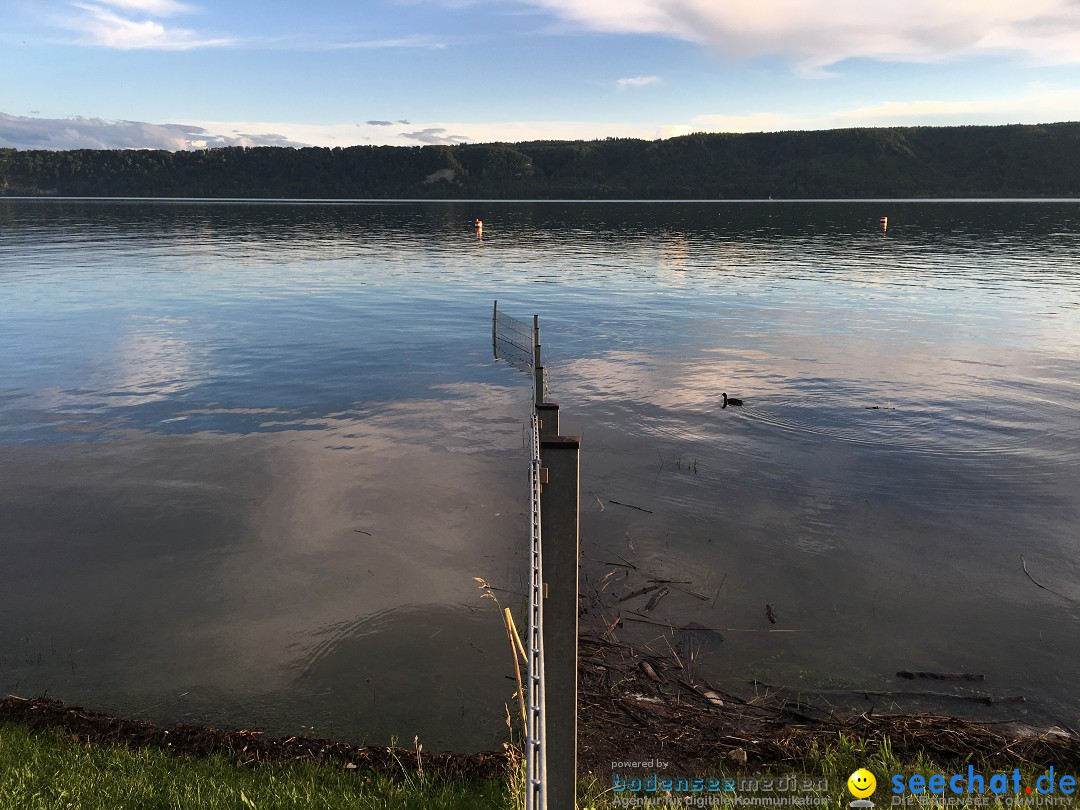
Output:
x=47 y=770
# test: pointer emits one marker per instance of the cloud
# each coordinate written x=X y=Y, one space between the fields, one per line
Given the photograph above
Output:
x=137 y=24
x=750 y=122
x=1040 y=106
x=158 y=8
x=1045 y=104
x=105 y=27
x=814 y=34
x=412 y=41
x=636 y=81
x=404 y=121
x=434 y=135
x=380 y=123
x=22 y=132
x=911 y=111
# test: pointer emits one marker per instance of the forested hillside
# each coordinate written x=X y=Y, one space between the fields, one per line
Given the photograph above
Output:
x=1005 y=161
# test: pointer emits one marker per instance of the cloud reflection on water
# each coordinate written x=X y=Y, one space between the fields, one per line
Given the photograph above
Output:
x=206 y=562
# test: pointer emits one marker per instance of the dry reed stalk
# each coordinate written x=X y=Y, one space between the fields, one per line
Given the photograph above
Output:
x=515 y=647
x=516 y=636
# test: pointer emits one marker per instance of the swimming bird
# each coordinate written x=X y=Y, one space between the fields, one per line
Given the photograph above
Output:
x=731 y=401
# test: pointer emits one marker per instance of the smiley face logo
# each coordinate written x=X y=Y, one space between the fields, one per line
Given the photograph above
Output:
x=861 y=783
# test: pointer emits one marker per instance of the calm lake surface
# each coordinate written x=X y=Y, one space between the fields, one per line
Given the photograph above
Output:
x=253 y=454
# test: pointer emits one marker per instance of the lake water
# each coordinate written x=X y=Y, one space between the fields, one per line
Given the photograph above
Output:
x=252 y=454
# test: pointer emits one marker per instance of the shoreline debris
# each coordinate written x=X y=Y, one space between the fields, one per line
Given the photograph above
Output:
x=655 y=600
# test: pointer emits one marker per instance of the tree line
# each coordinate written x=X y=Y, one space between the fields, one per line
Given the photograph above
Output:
x=969 y=161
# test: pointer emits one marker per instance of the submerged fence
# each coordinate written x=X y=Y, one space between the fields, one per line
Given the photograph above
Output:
x=518 y=343
x=551 y=670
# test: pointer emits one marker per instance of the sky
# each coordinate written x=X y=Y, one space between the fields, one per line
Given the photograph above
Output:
x=187 y=74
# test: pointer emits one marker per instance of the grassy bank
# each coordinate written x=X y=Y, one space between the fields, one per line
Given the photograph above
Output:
x=48 y=768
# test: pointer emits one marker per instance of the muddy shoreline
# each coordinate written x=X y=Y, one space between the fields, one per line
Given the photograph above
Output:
x=641 y=697
x=696 y=730
x=638 y=701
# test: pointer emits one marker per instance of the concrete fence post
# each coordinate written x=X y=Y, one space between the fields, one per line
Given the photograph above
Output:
x=538 y=370
x=560 y=456
x=548 y=414
x=536 y=340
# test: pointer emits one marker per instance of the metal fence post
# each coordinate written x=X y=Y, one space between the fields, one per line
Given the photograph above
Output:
x=560 y=501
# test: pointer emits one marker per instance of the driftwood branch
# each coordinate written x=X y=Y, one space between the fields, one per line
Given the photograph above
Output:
x=940 y=676
x=630 y=506
x=1051 y=590
x=988 y=700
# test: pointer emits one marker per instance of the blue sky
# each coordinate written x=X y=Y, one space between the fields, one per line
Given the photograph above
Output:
x=189 y=73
